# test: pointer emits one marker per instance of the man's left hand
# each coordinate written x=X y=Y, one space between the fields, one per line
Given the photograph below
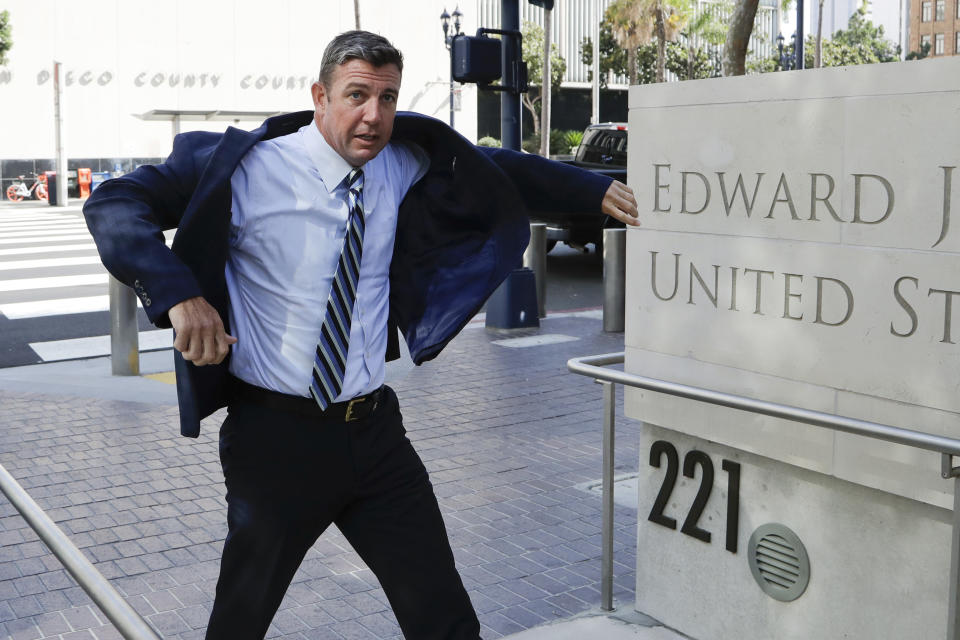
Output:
x=618 y=202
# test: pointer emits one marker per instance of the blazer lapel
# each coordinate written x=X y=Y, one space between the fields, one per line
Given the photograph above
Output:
x=212 y=188
x=209 y=209
x=202 y=242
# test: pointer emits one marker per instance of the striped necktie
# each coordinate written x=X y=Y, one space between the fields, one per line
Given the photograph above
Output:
x=330 y=361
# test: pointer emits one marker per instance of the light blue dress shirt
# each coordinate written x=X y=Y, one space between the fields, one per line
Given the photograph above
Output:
x=287 y=226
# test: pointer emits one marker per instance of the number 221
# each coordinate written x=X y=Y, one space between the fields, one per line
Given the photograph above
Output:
x=693 y=459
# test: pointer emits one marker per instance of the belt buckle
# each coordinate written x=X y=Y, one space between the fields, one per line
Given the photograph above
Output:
x=349 y=415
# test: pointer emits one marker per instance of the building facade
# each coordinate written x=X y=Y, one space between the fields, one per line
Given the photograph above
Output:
x=937 y=23
x=892 y=15
x=136 y=73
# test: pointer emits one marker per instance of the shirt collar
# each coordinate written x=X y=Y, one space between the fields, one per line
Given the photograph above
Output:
x=328 y=163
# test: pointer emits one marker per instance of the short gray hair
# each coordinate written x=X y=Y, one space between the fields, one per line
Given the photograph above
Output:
x=358 y=45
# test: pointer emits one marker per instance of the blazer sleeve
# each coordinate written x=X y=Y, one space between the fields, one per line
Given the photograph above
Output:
x=127 y=216
x=547 y=185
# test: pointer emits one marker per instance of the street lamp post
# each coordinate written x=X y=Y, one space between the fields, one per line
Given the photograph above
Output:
x=786 y=62
x=447 y=40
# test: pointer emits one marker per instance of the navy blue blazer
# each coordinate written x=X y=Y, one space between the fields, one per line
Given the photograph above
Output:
x=461 y=230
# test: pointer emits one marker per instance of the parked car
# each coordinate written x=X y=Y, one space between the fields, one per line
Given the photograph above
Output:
x=604 y=150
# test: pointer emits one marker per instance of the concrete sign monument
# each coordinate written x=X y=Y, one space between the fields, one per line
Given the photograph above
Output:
x=800 y=244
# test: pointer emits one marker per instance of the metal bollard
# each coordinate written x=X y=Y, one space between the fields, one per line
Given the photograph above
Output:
x=124 y=341
x=614 y=278
x=535 y=259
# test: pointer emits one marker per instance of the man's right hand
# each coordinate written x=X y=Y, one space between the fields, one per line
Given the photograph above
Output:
x=200 y=334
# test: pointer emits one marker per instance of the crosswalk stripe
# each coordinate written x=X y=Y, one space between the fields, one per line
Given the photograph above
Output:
x=43 y=228
x=26 y=234
x=38 y=242
x=63 y=238
x=13 y=222
x=52 y=282
x=40 y=263
x=59 y=307
x=98 y=345
x=6 y=218
x=58 y=248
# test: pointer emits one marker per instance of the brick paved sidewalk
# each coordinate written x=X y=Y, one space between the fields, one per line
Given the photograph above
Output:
x=506 y=434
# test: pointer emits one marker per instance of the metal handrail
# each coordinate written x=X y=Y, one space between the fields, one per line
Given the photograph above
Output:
x=127 y=621
x=593 y=366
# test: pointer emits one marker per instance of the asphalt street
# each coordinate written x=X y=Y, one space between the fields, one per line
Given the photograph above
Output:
x=53 y=289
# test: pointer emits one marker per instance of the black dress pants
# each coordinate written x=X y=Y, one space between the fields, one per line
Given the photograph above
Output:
x=290 y=475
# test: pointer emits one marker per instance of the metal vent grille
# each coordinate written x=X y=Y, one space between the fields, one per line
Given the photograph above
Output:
x=779 y=562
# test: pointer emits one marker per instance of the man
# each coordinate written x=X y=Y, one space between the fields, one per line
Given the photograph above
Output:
x=295 y=257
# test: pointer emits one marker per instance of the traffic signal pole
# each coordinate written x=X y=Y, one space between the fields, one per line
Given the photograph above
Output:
x=798 y=47
x=510 y=100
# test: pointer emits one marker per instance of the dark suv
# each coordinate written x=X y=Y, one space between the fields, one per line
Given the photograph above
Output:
x=604 y=146
x=604 y=150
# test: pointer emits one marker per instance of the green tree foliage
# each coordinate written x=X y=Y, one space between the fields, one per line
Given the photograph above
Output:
x=635 y=23
x=707 y=27
x=533 y=55
x=572 y=139
x=6 y=43
x=766 y=65
x=613 y=57
x=560 y=141
x=862 y=42
x=681 y=61
x=921 y=54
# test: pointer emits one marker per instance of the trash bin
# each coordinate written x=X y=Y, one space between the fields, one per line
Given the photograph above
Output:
x=51 y=187
x=83 y=182
x=97 y=178
x=73 y=189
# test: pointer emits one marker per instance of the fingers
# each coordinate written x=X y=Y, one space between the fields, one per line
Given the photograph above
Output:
x=181 y=342
x=619 y=203
x=223 y=342
x=201 y=337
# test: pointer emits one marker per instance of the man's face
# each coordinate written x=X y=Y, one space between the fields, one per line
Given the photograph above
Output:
x=355 y=113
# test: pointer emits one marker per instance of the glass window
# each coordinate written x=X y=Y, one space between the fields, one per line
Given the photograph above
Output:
x=941 y=8
x=924 y=40
x=956 y=47
x=925 y=15
x=604 y=147
x=938 y=46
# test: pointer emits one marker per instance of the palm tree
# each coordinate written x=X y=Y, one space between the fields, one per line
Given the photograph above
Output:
x=636 y=22
x=707 y=27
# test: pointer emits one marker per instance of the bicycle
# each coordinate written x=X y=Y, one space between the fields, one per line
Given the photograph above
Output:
x=17 y=191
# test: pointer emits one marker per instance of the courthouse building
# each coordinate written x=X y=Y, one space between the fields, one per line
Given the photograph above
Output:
x=136 y=73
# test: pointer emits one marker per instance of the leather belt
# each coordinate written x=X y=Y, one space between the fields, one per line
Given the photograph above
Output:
x=348 y=411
